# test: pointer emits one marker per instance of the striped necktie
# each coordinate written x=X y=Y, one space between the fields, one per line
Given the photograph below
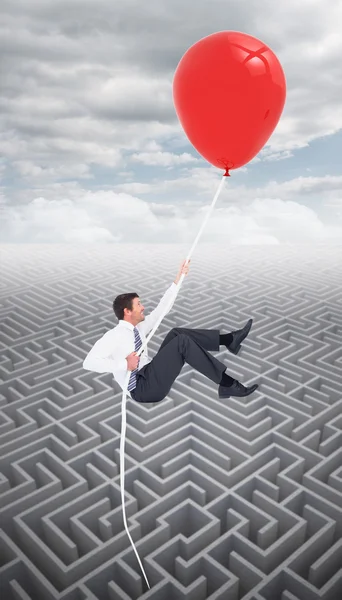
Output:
x=133 y=378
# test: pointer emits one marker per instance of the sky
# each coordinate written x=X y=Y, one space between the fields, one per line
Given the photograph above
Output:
x=91 y=149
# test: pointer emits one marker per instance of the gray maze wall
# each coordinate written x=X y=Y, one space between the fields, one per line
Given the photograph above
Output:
x=225 y=499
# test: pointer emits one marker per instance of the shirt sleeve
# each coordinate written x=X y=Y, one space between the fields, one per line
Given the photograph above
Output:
x=104 y=356
x=152 y=318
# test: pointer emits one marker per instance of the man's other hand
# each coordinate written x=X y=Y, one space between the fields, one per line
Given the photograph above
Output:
x=132 y=361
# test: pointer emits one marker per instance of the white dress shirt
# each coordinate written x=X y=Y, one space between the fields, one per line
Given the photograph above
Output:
x=108 y=355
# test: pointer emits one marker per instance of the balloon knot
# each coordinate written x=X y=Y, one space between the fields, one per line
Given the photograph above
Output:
x=227 y=174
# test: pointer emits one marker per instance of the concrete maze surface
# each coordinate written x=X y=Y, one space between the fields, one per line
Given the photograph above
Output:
x=225 y=499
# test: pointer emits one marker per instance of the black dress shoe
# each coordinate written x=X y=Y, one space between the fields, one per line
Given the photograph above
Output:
x=236 y=389
x=238 y=337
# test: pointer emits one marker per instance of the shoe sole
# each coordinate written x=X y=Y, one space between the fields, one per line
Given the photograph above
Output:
x=236 y=351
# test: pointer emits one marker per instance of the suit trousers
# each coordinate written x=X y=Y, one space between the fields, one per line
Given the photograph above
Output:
x=181 y=345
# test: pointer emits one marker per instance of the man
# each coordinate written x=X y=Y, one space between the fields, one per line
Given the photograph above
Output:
x=151 y=380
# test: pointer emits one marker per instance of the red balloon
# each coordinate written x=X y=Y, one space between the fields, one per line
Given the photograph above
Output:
x=229 y=91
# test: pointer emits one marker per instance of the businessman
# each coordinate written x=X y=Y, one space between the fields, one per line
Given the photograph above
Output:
x=151 y=380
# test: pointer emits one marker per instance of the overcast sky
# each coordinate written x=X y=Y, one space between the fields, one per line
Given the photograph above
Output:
x=91 y=150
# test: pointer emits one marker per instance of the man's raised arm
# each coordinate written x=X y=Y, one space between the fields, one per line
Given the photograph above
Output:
x=170 y=294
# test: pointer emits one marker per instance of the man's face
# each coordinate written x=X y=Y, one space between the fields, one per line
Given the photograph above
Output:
x=137 y=314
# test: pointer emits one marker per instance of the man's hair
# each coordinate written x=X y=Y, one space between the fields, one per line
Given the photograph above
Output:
x=123 y=301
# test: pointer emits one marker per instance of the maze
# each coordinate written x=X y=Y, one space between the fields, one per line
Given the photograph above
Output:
x=225 y=499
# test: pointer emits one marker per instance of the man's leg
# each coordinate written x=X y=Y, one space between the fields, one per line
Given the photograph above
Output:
x=209 y=339
x=157 y=377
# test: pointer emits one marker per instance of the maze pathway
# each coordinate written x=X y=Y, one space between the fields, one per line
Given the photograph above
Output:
x=225 y=499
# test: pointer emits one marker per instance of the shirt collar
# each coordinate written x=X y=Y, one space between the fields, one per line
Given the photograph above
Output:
x=126 y=324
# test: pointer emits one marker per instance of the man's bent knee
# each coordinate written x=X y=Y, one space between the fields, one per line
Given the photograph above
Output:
x=183 y=338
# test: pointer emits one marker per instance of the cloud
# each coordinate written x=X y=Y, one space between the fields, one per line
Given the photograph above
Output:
x=163 y=159
x=109 y=217
x=269 y=220
x=83 y=83
x=89 y=84
x=135 y=188
x=131 y=98
x=33 y=171
x=89 y=217
x=268 y=154
x=201 y=183
x=306 y=185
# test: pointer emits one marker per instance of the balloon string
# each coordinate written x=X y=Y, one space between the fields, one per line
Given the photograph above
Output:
x=124 y=393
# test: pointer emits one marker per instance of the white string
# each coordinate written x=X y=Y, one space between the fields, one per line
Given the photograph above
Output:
x=124 y=393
